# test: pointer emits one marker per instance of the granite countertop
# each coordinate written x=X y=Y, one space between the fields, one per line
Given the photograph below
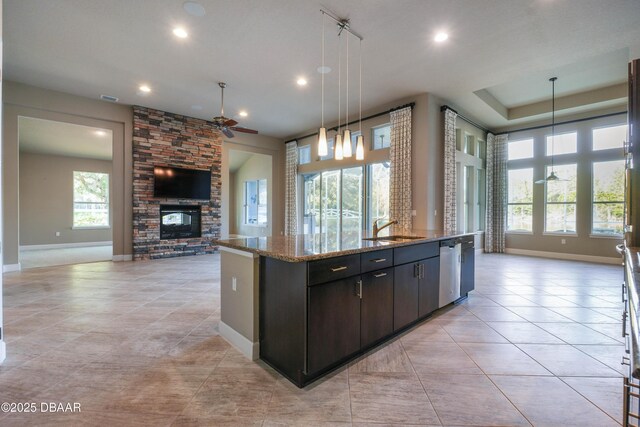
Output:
x=308 y=247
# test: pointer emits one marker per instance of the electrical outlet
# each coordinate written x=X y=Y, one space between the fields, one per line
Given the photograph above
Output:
x=563 y=241
x=234 y=284
x=57 y=234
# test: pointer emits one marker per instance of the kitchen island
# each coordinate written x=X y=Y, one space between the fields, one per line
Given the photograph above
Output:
x=307 y=304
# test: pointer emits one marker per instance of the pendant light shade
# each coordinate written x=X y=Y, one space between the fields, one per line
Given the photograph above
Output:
x=323 y=150
x=360 y=148
x=346 y=144
x=338 y=154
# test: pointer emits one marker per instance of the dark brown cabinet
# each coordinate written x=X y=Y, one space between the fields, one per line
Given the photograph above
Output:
x=467 y=268
x=405 y=294
x=376 y=309
x=334 y=322
x=429 y=291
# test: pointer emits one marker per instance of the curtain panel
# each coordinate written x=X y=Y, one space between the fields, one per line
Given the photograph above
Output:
x=450 y=190
x=496 y=217
x=400 y=171
x=291 y=189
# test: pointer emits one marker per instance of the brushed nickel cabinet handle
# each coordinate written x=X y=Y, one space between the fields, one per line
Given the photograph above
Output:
x=380 y=275
x=334 y=269
x=378 y=260
x=359 y=289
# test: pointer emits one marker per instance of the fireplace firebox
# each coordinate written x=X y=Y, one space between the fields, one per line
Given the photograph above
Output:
x=179 y=221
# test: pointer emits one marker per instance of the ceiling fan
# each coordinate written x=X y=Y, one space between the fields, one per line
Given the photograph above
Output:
x=552 y=176
x=225 y=124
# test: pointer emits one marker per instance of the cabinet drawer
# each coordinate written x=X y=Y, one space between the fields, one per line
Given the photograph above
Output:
x=377 y=260
x=329 y=269
x=412 y=253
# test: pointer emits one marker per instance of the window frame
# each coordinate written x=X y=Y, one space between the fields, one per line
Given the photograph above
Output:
x=373 y=139
x=594 y=202
x=525 y=232
x=265 y=205
x=304 y=148
x=546 y=202
x=107 y=203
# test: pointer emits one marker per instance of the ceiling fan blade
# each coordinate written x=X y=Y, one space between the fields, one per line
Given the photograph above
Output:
x=230 y=122
x=227 y=132
x=244 y=130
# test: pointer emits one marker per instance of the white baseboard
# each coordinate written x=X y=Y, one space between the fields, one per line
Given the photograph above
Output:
x=250 y=349
x=560 y=255
x=3 y=351
x=8 y=268
x=118 y=258
x=63 y=245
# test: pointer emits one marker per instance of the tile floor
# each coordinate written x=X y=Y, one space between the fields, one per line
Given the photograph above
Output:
x=538 y=343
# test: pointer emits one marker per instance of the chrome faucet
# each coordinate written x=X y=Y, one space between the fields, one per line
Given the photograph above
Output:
x=377 y=229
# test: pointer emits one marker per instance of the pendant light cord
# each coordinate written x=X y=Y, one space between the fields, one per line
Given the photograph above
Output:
x=339 y=79
x=346 y=116
x=322 y=72
x=360 y=65
x=553 y=118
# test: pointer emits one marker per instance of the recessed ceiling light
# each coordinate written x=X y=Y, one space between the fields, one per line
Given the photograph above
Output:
x=302 y=81
x=180 y=32
x=324 y=70
x=144 y=89
x=441 y=36
x=243 y=113
x=100 y=132
x=193 y=8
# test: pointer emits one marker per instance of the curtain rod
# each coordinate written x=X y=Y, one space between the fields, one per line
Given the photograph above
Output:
x=471 y=122
x=373 y=116
x=602 y=116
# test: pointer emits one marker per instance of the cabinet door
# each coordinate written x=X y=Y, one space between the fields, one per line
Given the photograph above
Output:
x=376 y=306
x=405 y=295
x=467 y=270
x=334 y=322
x=429 y=286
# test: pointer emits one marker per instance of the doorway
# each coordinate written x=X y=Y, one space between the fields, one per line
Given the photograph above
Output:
x=65 y=193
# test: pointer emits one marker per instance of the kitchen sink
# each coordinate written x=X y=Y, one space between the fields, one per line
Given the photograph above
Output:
x=393 y=238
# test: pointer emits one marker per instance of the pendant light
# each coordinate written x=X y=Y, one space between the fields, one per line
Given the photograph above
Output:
x=346 y=139
x=338 y=155
x=360 y=139
x=552 y=176
x=323 y=149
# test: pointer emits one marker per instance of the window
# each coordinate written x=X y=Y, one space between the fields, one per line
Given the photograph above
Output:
x=609 y=137
x=329 y=155
x=520 y=200
x=381 y=137
x=304 y=155
x=564 y=143
x=378 y=193
x=481 y=200
x=255 y=202
x=560 y=208
x=333 y=204
x=90 y=199
x=522 y=149
x=608 y=197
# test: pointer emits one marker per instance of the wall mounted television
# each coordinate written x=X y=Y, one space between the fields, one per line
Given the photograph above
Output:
x=178 y=183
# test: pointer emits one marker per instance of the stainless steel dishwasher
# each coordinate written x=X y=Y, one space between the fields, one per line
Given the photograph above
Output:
x=450 y=259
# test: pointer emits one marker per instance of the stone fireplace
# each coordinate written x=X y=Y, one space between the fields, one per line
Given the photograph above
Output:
x=173 y=140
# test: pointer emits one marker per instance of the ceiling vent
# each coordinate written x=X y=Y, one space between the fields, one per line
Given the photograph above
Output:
x=109 y=98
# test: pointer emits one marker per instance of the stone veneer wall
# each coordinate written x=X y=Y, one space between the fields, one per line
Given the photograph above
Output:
x=166 y=139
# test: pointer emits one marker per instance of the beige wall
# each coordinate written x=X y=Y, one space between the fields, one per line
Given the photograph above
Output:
x=427 y=155
x=239 y=308
x=2 y=345
x=46 y=199
x=28 y=101
x=262 y=145
x=258 y=166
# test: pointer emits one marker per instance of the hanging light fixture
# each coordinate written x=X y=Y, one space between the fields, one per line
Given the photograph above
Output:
x=360 y=139
x=552 y=176
x=338 y=155
x=346 y=139
x=342 y=143
x=323 y=149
